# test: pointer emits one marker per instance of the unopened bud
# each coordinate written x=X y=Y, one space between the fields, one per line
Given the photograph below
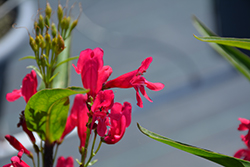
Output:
x=60 y=12
x=33 y=44
x=17 y=145
x=60 y=44
x=54 y=30
x=67 y=23
x=73 y=25
x=64 y=22
x=47 y=23
x=42 y=42
x=47 y=39
x=36 y=27
x=48 y=10
x=41 y=22
x=38 y=42
x=54 y=43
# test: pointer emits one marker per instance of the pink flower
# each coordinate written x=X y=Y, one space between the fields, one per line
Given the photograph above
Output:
x=16 y=161
x=120 y=119
x=17 y=145
x=243 y=154
x=93 y=73
x=62 y=162
x=78 y=117
x=28 y=89
x=103 y=102
x=245 y=125
x=134 y=79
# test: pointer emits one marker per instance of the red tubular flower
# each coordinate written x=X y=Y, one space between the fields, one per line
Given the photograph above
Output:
x=103 y=102
x=243 y=154
x=17 y=145
x=28 y=89
x=16 y=161
x=93 y=73
x=78 y=117
x=120 y=119
x=245 y=125
x=62 y=162
x=134 y=79
x=22 y=123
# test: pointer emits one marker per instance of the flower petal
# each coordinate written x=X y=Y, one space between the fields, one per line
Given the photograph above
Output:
x=14 y=95
x=154 y=86
x=144 y=65
x=29 y=86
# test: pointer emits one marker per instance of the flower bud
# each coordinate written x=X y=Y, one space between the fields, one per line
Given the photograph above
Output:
x=48 y=10
x=64 y=22
x=42 y=42
x=41 y=22
x=54 y=30
x=33 y=44
x=60 y=12
x=60 y=44
x=47 y=39
x=38 y=41
x=36 y=27
x=67 y=22
x=54 y=43
x=73 y=25
x=17 y=145
x=47 y=23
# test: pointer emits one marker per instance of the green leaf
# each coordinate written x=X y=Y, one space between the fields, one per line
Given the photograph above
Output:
x=27 y=57
x=46 y=111
x=243 y=43
x=221 y=159
x=238 y=59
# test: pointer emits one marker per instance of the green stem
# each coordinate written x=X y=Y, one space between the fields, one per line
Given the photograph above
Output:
x=55 y=153
x=99 y=146
x=34 y=164
x=92 y=154
x=84 y=154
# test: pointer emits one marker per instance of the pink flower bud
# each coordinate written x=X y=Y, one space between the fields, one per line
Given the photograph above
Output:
x=17 y=145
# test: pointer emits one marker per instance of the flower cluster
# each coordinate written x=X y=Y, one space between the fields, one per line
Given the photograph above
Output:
x=95 y=111
x=244 y=153
x=109 y=118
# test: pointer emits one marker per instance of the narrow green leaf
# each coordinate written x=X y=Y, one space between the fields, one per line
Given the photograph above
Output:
x=53 y=77
x=43 y=108
x=27 y=57
x=92 y=162
x=67 y=60
x=36 y=70
x=243 y=43
x=221 y=159
x=238 y=59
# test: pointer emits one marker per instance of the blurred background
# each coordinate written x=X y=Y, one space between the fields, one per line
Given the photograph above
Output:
x=203 y=95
